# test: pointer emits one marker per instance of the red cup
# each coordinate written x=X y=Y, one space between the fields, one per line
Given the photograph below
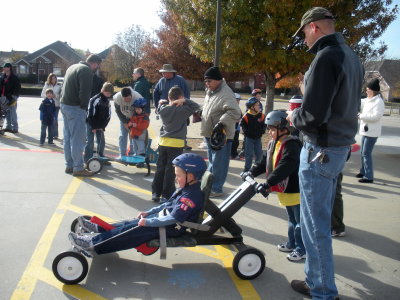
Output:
x=295 y=103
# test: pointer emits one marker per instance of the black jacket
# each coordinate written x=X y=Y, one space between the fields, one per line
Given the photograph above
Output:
x=328 y=115
x=99 y=112
x=11 y=86
x=288 y=166
x=253 y=125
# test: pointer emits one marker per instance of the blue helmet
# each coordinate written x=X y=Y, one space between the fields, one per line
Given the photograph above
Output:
x=191 y=163
x=141 y=102
x=251 y=102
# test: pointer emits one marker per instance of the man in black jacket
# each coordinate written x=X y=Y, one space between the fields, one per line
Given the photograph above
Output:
x=328 y=122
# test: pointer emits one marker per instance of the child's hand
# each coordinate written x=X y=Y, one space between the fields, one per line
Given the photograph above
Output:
x=132 y=124
x=142 y=222
x=178 y=102
x=142 y=215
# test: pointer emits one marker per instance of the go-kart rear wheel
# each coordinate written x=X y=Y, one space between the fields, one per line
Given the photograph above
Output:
x=70 y=267
x=75 y=225
x=249 y=263
x=94 y=164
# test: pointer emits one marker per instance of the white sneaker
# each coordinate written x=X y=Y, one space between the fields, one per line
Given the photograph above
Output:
x=295 y=256
x=203 y=146
x=284 y=248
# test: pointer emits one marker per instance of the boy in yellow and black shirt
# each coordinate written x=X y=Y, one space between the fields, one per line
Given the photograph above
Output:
x=173 y=114
x=281 y=165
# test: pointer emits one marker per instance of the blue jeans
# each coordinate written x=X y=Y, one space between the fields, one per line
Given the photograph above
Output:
x=127 y=235
x=218 y=164
x=90 y=143
x=294 y=230
x=367 y=145
x=138 y=145
x=11 y=117
x=43 y=133
x=74 y=135
x=123 y=140
x=55 y=124
x=317 y=180
x=252 y=147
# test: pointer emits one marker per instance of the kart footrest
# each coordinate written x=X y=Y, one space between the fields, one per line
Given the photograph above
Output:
x=185 y=240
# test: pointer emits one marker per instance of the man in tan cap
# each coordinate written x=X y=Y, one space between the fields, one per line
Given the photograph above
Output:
x=328 y=122
x=168 y=80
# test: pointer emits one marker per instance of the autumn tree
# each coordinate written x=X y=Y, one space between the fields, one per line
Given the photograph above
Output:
x=171 y=47
x=256 y=34
x=129 y=51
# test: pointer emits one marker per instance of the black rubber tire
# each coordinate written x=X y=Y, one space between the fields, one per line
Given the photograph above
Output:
x=70 y=267
x=75 y=225
x=94 y=164
x=248 y=263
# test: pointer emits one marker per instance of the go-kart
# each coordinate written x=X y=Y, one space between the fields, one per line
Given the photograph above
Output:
x=218 y=228
x=95 y=164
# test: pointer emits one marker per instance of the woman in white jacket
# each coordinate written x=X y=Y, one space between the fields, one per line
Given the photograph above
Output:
x=51 y=83
x=372 y=109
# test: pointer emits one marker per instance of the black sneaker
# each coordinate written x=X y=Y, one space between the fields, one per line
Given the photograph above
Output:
x=359 y=175
x=87 y=225
x=82 y=242
x=155 y=197
x=363 y=180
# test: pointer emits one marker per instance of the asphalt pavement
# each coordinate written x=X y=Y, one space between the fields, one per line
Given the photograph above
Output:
x=39 y=201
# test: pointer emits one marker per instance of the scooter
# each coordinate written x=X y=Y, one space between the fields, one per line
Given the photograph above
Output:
x=218 y=228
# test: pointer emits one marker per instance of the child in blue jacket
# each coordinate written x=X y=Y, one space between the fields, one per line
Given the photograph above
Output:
x=47 y=116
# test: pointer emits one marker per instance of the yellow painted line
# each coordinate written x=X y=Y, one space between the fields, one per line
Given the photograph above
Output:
x=85 y=212
x=245 y=288
x=204 y=251
x=76 y=290
x=124 y=186
x=27 y=283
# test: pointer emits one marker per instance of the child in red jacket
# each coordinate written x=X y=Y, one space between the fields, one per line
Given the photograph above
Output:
x=138 y=124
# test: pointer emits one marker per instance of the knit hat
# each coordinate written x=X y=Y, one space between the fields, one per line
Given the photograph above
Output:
x=373 y=85
x=213 y=73
x=312 y=15
x=7 y=65
x=93 y=58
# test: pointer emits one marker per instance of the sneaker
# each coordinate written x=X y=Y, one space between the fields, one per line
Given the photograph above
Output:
x=301 y=287
x=155 y=197
x=338 y=233
x=363 y=180
x=82 y=242
x=216 y=194
x=87 y=225
x=284 y=248
x=82 y=173
x=359 y=175
x=295 y=256
x=203 y=146
x=14 y=131
x=69 y=170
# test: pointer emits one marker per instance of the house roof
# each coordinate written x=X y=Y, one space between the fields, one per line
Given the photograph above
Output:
x=389 y=69
x=62 y=49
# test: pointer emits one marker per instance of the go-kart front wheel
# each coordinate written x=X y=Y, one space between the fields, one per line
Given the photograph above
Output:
x=249 y=263
x=70 y=267
x=94 y=164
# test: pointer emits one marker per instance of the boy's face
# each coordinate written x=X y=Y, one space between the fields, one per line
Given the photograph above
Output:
x=258 y=96
x=273 y=132
x=49 y=95
x=180 y=177
x=256 y=107
x=107 y=94
x=138 y=110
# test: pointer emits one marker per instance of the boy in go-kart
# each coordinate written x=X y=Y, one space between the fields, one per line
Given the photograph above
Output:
x=184 y=205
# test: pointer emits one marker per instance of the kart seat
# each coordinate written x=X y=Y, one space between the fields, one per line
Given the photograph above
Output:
x=187 y=239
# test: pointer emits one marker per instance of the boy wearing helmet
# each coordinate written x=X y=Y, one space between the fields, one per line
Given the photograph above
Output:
x=98 y=116
x=184 y=205
x=138 y=124
x=253 y=128
x=281 y=165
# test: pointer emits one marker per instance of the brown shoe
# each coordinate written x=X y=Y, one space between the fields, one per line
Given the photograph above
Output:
x=67 y=170
x=82 y=173
x=301 y=287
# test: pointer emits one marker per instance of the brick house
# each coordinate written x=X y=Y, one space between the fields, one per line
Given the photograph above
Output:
x=54 y=58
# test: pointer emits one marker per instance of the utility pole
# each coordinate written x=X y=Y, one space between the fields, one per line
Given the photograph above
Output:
x=218 y=35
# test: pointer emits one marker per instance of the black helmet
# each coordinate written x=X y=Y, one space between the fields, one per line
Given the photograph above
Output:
x=191 y=163
x=277 y=118
x=218 y=137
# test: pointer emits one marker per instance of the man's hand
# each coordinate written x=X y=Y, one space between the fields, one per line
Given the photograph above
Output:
x=289 y=116
x=142 y=215
x=142 y=222
x=126 y=125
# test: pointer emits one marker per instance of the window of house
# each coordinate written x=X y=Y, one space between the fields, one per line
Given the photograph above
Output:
x=57 y=70
x=22 y=69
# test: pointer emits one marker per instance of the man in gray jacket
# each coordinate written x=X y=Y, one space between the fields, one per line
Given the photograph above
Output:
x=74 y=104
x=328 y=122
x=220 y=109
